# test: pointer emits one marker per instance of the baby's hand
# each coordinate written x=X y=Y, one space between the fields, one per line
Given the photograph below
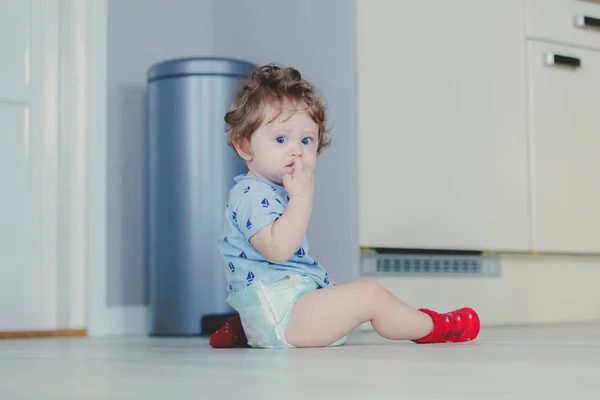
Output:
x=300 y=183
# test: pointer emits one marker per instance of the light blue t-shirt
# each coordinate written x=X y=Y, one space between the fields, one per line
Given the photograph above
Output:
x=254 y=204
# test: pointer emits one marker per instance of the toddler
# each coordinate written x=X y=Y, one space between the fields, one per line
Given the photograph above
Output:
x=284 y=297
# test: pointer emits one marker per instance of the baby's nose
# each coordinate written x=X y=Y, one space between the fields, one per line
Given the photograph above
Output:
x=296 y=151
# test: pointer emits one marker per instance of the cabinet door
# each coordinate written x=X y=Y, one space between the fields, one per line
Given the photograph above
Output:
x=565 y=129
x=442 y=124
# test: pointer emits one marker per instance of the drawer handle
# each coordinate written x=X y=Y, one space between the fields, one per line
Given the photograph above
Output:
x=557 y=59
x=583 y=21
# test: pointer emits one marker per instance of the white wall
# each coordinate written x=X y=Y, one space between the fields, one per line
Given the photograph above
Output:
x=141 y=33
x=318 y=38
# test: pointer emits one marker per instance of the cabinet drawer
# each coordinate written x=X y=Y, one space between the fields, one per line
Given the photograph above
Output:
x=573 y=22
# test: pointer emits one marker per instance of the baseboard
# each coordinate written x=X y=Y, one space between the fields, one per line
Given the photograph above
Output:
x=119 y=321
x=44 y=334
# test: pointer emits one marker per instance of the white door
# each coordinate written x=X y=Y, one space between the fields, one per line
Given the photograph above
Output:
x=28 y=175
x=565 y=128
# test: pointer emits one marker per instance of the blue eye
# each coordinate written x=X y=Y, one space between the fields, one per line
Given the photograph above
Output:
x=280 y=139
x=307 y=141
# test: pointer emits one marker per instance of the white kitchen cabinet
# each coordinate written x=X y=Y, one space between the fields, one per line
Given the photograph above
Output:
x=569 y=22
x=565 y=129
x=443 y=146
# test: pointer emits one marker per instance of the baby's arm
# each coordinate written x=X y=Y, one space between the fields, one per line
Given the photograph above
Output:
x=278 y=241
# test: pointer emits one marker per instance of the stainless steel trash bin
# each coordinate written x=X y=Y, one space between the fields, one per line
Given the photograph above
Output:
x=190 y=172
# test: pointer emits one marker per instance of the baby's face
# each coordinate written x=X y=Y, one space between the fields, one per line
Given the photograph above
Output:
x=275 y=146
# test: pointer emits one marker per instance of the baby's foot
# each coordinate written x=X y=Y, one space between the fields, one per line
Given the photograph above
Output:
x=461 y=325
x=230 y=335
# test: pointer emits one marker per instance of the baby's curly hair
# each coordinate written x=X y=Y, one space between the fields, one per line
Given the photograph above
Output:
x=271 y=85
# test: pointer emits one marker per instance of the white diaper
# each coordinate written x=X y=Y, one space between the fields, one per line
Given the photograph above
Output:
x=265 y=309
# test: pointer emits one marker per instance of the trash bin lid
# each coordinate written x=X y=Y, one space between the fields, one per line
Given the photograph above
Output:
x=199 y=66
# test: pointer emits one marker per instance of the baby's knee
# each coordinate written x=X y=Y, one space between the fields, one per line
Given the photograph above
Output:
x=370 y=298
x=371 y=290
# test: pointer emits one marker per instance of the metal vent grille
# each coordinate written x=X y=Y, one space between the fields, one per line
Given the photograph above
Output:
x=429 y=265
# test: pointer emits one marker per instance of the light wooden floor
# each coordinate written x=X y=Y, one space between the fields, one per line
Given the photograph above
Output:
x=504 y=363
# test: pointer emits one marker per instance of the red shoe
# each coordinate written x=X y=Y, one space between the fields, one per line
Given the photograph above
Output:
x=230 y=335
x=461 y=325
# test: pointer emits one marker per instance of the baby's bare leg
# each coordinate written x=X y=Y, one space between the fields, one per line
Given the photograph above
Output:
x=324 y=316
